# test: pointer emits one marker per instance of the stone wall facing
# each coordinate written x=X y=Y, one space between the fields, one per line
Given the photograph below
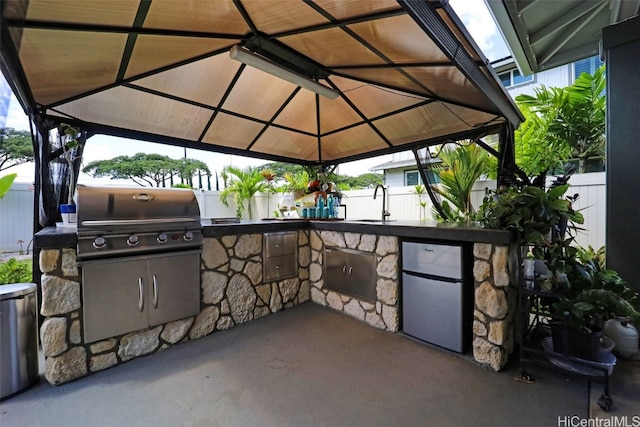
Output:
x=232 y=292
x=384 y=314
x=495 y=304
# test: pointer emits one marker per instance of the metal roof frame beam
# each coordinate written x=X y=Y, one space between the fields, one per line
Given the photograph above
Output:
x=425 y=15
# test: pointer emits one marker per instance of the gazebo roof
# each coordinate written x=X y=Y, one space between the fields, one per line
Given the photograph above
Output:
x=403 y=74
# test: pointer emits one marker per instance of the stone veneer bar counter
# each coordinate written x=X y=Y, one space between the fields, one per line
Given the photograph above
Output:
x=233 y=290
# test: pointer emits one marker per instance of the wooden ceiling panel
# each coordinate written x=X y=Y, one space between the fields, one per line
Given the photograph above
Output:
x=127 y=108
x=72 y=11
x=281 y=15
x=145 y=58
x=332 y=47
x=230 y=131
x=383 y=33
x=204 y=81
x=63 y=64
x=351 y=142
x=196 y=15
x=258 y=94
x=281 y=142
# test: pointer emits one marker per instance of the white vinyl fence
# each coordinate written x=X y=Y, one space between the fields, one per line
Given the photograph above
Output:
x=16 y=218
x=16 y=209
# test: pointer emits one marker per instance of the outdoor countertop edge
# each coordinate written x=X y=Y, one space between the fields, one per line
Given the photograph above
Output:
x=55 y=237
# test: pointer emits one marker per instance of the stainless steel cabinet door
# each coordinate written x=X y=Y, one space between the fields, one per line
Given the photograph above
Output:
x=114 y=301
x=174 y=287
x=336 y=263
x=350 y=272
x=432 y=311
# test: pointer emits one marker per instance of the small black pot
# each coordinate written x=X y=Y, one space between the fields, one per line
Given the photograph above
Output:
x=574 y=342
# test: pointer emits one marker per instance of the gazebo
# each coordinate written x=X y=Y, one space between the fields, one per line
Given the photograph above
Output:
x=314 y=83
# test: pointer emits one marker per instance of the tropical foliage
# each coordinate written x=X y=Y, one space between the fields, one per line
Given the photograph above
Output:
x=14 y=271
x=5 y=183
x=421 y=191
x=462 y=166
x=147 y=169
x=343 y=182
x=562 y=123
x=242 y=185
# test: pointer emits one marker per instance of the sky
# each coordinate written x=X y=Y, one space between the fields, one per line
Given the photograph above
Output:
x=473 y=13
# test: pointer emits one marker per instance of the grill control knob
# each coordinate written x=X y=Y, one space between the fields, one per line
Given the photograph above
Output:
x=133 y=240
x=162 y=238
x=188 y=236
x=99 y=242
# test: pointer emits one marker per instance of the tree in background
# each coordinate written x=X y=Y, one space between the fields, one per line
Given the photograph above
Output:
x=562 y=123
x=421 y=191
x=16 y=148
x=146 y=169
x=242 y=184
x=344 y=182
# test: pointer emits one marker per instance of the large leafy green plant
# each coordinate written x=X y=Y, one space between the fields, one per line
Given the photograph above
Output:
x=562 y=123
x=596 y=293
x=462 y=166
x=530 y=212
x=242 y=184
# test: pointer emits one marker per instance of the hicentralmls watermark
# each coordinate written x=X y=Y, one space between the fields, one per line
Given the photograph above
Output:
x=613 y=421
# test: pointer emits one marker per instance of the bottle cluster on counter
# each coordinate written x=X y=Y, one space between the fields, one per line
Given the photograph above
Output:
x=325 y=208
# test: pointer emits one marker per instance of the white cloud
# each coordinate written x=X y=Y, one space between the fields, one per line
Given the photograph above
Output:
x=480 y=24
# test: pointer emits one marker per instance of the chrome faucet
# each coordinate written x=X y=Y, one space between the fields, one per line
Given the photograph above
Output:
x=385 y=212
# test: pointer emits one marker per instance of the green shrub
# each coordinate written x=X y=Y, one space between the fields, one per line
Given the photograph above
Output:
x=14 y=271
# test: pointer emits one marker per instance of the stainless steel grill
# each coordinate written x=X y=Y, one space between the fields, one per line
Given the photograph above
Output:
x=139 y=249
x=128 y=221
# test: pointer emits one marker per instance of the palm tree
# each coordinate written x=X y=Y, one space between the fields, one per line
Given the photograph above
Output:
x=242 y=184
x=566 y=122
x=462 y=166
x=420 y=191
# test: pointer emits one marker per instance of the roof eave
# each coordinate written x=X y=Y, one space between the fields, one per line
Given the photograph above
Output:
x=515 y=44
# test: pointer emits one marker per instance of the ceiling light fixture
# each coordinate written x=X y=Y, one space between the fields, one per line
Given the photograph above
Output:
x=250 y=58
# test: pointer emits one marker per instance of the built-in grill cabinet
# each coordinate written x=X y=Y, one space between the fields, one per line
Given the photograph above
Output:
x=126 y=295
x=280 y=255
x=139 y=252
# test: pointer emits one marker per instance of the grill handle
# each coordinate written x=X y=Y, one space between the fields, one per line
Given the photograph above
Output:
x=150 y=221
x=155 y=292
x=140 y=294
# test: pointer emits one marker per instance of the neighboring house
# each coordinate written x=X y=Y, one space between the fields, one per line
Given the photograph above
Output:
x=402 y=170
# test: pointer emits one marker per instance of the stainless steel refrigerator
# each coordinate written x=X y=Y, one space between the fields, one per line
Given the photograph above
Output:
x=437 y=294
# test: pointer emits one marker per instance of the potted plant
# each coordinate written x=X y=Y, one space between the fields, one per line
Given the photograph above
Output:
x=69 y=144
x=594 y=295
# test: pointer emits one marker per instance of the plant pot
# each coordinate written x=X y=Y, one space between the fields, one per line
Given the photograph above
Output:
x=574 y=342
x=68 y=212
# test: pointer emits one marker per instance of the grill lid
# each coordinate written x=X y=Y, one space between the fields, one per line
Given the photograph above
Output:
x=140 y=209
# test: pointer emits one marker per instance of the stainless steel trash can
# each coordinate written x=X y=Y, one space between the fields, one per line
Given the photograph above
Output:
x=18 y=338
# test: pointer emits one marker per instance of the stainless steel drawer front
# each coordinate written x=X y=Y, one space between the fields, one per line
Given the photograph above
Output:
x=277 y=244
x=280 y=267
x=280 y=251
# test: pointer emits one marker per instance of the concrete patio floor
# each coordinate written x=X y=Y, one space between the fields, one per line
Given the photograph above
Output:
x=311 y=366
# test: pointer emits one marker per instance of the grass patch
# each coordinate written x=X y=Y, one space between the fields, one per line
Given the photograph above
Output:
x=14 y=271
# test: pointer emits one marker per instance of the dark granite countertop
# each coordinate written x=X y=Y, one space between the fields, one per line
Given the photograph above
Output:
x=57 y=237
x=406 y=229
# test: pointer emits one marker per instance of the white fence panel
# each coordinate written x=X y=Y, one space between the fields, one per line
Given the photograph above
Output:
x=16 y=208
x=16 y=218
